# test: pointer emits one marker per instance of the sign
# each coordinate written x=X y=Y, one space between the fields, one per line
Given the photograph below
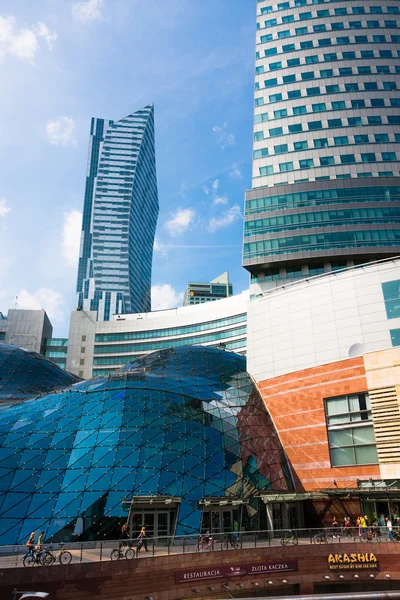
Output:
x=204 y=573
x=353 y=561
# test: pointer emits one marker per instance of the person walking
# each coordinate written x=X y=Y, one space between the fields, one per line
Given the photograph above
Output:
x=335 y=526
x=40 y=542
x=389 y=529
x=30 y=544
x=124 y=534
x=142 y=539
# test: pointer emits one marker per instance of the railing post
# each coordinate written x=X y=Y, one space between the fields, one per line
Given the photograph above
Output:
x=101 y=551
x=81 y=552
x=183 y=544
x=153 y=545
x=169 y=545
x=255 y=540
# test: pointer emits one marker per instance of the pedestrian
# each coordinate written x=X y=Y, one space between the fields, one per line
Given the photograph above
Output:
x=347 y=526
x=40 y=542
x=335 y=526
x=142 y=539
x=124 y=533
x=235 y=531
x=30 y=544
x=389 y=529
x=366 y=521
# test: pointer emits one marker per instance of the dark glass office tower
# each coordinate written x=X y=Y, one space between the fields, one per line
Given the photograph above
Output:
x=326 y=187
x=119 y=217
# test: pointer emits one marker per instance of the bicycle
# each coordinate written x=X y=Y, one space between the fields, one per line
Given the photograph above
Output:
x=50 y=556
x=230 y=541
x=120 y=552
x=288 y=537
x=369 y=535
x=322 y=537
x=205 y=543
x=35 y=558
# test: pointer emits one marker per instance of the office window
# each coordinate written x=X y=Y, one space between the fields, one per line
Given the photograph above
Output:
x=288 y=48
x=308 y=75
x=274 y=66
x=294 y=94
x=332 y=89
x=347 y=159
x=388 y=156
x=314 y=125
x=326 y=161
x=381 y=137
x=319 y=107
x=258 y=135
x=358 y=10
x=299 y=110
x=370 y=85
x=374 y=120
x=288 y=19
x=281 y=148
x=314 y=91
x=350 y=430
x=377 y=102
x=338 y=105
x=261 y=153
x=391 y=295
x=300 y=145
x=275 y=98
x=276 y=131
x=342 y=140
x=343 y=40
x=289 y=78
x=351 y=87
x=306 y=45
x=358 y=103
x=279 y=114
x=354 y=121
x=312 y=59
x=334 y=123
x=307 y=163
x=340 y=11
x=361 y=139
x=271 y=51
x=283 y=34
x=326 y=73
x=286 y=166
x=268 y=170
x=293 y=62
x=295 y=128
x=369 y=157
x=321 y=143
x=349 y=55
x=345 y=71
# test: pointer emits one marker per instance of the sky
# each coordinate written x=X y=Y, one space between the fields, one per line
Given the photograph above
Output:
x=63 y=62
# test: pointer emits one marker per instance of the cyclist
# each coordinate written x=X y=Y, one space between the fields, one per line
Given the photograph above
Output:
x=30 y=544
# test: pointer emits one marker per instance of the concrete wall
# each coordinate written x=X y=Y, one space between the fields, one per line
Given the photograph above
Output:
x=27 y=329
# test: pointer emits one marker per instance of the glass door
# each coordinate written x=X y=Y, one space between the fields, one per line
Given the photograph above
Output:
x=148 y=520
x=162 y=524
x=215 y=521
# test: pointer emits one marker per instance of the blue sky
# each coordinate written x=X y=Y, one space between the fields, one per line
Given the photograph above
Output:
x=62 y=62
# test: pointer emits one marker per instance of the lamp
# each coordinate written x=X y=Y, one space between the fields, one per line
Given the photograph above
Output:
x=327 y=577
x=356 y=576
x=372 y=576
x=284 y=580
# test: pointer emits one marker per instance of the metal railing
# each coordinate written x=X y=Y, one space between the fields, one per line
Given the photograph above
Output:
x=95 y=551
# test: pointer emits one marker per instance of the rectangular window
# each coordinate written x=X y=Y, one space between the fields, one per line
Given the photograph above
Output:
x=288 y=19
x=361 y=139
x=271 y=82
x=321 y=143
x=261 y=153
x=295 y=128
x=375 y=120
x=388 y=156
x=358 y=103
x=281 y=148
x=364 y=70
x=314 y=91
x=341 y=140
x=283 y=34
x=332 y=89
x=314 y=125
x=275 y=98
x=274 y=66
x=306 y=45
x=332 y=123
x=369 y=157
x=351 y=435
x=338 y=105
x=307 y=163
x=266 y=171
x=271 y=51
x=349 y=55
x=381 y=138
x=326 y=161
x=287 y=166
x=354 y=121
x=294 y=94
x=377 y=102
x=319 y=107
x=293 y=62
x=345 y=71
x=280 y=114
x=258 y=135
x=300 y=146
x=276 y=131
x=299 y=110
x=347 y=159
x=306 y=76
x=288 y=48
x=312 y=59
x=326 y=73
x=289 y=78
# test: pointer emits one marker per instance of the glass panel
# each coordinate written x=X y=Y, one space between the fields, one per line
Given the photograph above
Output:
x=341 y=437
x=336 y=406
x=342 y=456
x=366 y=455
x=363 y=435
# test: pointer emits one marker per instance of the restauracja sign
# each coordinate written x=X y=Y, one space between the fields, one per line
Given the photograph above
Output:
x=235 y=570
x=356 y=560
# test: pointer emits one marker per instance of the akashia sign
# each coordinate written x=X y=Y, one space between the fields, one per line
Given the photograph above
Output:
x=353 y=561
x=219 y=572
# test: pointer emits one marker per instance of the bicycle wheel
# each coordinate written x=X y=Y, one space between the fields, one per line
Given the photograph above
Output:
x=29 y=561
x=328 y=538
x=65 y=557
x=115 y=555
x=295 y=540
x=224 y=545
x=130 y=553
x=47 y=559
x=363 y=537
x=317 y=539
x=284 y=541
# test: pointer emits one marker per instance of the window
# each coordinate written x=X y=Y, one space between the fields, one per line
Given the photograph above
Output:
x=349 y=55
x=312 y=59
x=295 y=128
x=307 y=163
x=286 y=166
x=342 y=140
x=389 y=85
x=306 y=45
x=289 y=78
x=258 y=101
x=351 y=87
x=302 y=31
x=381 y=137
x=339 y=105
x=270 y=23
x=354 y=121
x=361 y=139
x=274 y=66
x=261 y=153
x=364 y=70
x=345 y=71
x=334 y=123
x=370 y=85
x=258 y=135
x=358 y=103
x=271 y=51
x=375 y=120
x=347 y=159
x=270 y=82
x=308 y=75
x=319 y=28
x=275 y=98
x=326 y=161
x=326 y=73
x=393 y=10
x=314 y=91
x=294 y=94
x=337 y=26
x=321 y=143
x=293 y=62
x=279 y=114
x=314 y=125
x=283 y=34
x=368 y=157
x=351 y=435
x=379 y=39
x=300 y=145
x=276 y=131
x=340 y=11
x=377 y=102
x=259 y=70
x=391 y=295
x=266 y=171
x=288 y=48
x=299 y=110
x=343 y=40
x=332 y=89
x=382 y=69
x=388 y=156
x=358 y=10
x=288 y=19
x=281 y=148
x=319 y=107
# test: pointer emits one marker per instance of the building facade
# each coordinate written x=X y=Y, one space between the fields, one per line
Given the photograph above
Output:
x=325 y=189
x=28 y=329
x=197 y=293
x=101 y=347
x=325 y=353
x=119 y=217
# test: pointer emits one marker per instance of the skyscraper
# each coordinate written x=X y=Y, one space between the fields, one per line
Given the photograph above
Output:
x=326 y=185
x=119 y=216
x=198 y=293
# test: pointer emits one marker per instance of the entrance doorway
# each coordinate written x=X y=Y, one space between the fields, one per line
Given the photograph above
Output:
x=220 y=519
x=159 y=523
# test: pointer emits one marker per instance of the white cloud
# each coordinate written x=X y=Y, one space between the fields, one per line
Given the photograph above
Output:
x=165 y=296
x=223 y=137
x=180 y=221
x=236 y=173
x=227 y=218
x=87 y=11
x=22 y=43
x=4 y=209
x=71 y=237
x=61 y=131
x=215 y=184
x=220 y=200
x=46 y=298
x=205 y=189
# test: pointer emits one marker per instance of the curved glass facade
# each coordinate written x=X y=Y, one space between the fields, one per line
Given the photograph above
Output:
x=25 y=374
x=184 y=425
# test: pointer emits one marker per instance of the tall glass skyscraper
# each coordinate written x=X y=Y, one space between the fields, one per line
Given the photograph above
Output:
x=119 y=216
x=326 y=185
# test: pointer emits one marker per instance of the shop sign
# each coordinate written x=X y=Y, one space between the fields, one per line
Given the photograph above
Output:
x=204 y=573
x=355 y=560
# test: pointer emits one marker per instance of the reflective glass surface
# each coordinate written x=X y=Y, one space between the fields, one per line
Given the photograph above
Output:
x=26 y=374
x=186 y=423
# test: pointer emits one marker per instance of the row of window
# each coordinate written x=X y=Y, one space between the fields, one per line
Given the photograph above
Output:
x=199 y=339
x=321 y=219
x=299 y=31
x=333 y=57
x=327 y=90
x=322 y=241
x=170 y=331
x=324 y=143
x=326 y=161
x=327 y=124
x=355 y=10
x=322 y=197
x=295 y=111
x=123 y=359
x=280 y=273
x=391 y=295
x=308 y=44
x=330 y=26
x=353 y=175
